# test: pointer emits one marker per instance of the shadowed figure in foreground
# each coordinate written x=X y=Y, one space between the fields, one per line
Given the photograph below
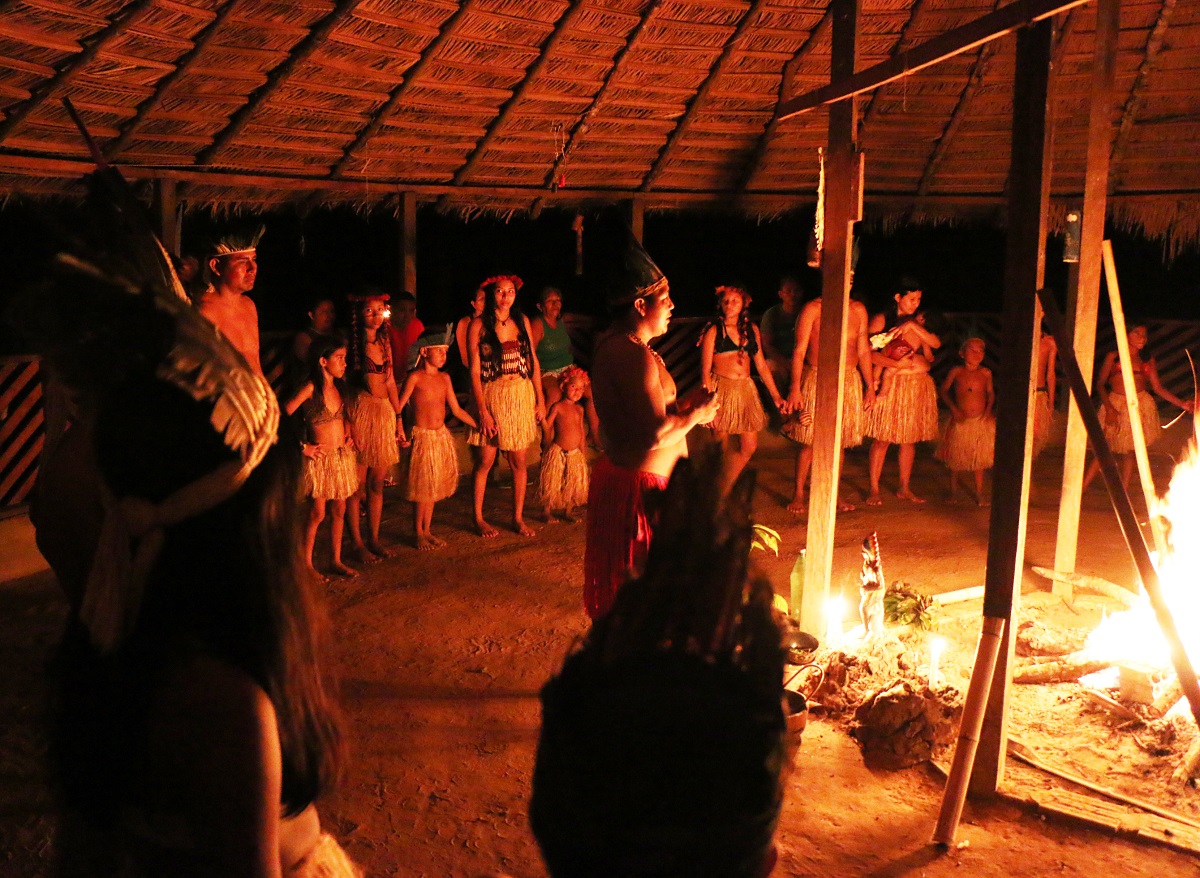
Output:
x=663 y=736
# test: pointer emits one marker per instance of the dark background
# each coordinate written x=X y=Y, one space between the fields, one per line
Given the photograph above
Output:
x=334 y=252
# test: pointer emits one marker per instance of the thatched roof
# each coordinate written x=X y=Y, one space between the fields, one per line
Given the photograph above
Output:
x=493 y=103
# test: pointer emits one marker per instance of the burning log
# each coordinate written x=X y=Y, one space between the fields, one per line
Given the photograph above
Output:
x=1037 y=639
x=1066 y=670
x=1170 y=695
x=1188 y=767
x=1094 y=584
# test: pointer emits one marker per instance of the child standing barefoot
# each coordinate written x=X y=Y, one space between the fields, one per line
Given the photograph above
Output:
x=330 y=467
x=433 y=469
x=564 y=477
x=968 y=444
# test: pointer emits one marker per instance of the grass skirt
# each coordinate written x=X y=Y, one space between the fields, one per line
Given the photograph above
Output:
x=618 y=531
x=564 y=479
x=327 y=860
x=333 y=476
x=853 y=417
x=907 y=413
x=741 y=410
x=1118 y=429
x=968 y=445
x=1043 y=418
x=513 y=405
x=433 y=465
x=375 y=431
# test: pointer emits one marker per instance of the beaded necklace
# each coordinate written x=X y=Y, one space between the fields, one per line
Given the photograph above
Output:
x=641 y=344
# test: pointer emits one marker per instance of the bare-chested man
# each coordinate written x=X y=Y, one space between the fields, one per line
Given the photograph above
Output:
x=233 y=268
x=804 y=384
x=645 y=430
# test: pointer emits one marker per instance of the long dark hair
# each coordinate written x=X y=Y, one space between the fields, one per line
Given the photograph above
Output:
x=228 y=584
x=488 y=340
x=322 y=348
x=745 y=324
x=358 y=337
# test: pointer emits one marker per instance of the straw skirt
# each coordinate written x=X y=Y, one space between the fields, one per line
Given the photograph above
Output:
x=333 y=476
x=327 y=860
x=907 y=413
x=1043 y=418
x=1118 y=429
x=853 y=418
x=432 y=466
x=741 y=410
x=564 y=479
x=374 y=431
x=513 y=406
x=969 y=444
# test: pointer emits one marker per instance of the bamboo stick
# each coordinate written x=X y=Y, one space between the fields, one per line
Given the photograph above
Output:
x=1134 y=538
x=1090 y=583
x=955 y=796
x=1132 y=405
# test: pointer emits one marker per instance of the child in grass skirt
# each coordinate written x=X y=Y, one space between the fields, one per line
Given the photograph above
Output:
x=565 y=477
x=433 y=466
x=969 y=441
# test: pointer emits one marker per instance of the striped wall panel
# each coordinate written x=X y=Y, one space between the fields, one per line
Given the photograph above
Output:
x=22 y=422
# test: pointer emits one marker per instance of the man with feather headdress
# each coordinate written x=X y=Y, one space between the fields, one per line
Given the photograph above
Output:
x=232 y=269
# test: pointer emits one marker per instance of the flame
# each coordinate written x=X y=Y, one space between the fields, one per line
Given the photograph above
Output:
x=1134 y=634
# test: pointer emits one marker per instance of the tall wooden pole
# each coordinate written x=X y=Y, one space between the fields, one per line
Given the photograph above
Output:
x=167 y=204
x=1083 y=297
x=1025 y=260
x=408 y=241
x=635 y=209
x=841 y=182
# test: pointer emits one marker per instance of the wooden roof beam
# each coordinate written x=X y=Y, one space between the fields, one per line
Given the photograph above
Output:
x=903 y=43
x=969 y=36
x=46 y=90
x=589 y=115
x=411 y=76
x=1137 y=93
x=182 y=66
x=714 y=73
x=758 y=158
x=297 y=56
x=546 y=51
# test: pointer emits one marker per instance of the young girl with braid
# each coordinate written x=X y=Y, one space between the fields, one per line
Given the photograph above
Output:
x=728 y=348
x=376 y=417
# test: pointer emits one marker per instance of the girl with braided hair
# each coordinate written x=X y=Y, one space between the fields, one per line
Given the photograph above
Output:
x=729 y=346
x=375 y=413
x=507 y=383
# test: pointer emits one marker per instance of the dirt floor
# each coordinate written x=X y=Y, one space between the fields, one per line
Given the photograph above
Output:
x=442 y=654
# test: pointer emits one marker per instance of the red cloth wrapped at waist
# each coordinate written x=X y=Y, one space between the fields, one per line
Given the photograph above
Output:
x=618 y=531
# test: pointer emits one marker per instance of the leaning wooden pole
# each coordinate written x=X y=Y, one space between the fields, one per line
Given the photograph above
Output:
x=1024 y=264
x=1130 y=528
x=840 y=209
x=1133 y=405
x=1083 y=298
x=408 y=241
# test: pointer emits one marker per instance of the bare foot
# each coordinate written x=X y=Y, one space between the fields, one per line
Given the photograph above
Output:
x=908 y=495
x=486 y=530
x=342 y=570
x=798 y=506
x=874 y=500
x=438 y=542
x=523 y=529
x=378 y=550
x=984 y=502
x=425 y=543
x=846 y=506
x=363 y=555
x=571 y=515
x=316 y=574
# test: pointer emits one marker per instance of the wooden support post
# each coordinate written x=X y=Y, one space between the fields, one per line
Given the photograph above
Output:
x=1083 y=296
x=840 y=212
x=635 y=211
x=167 y=202
x=408 y=241
x=1025 y=259
x=1131 y=401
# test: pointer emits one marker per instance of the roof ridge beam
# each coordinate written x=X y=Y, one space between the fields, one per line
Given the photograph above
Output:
x=296 y=56
x=714 y=72
x=116 y=26
x=903 y=43
x=1133 y=104
x=182 y=66
x=584 y=123
x=754 y=166
x=964 y=38
x=561 y=30
x=411 y=76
